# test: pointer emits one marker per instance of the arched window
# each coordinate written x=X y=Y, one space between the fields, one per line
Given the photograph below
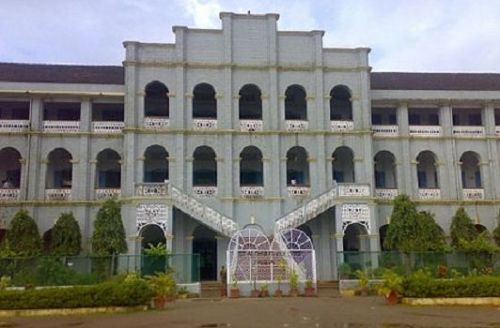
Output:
x=155 y=164
x=352 y=238
x=204 y=167
x=108 y=169
x=297 y=167
x=471 y=172
x=295 y=103
x=340 y=104
x=156 y=102
x=250 y=103
x=204 y=102
x=59 y=169
x=251 y=167
x=426 y=170
x=385 y=170
x=343 y=165
x=10 y=168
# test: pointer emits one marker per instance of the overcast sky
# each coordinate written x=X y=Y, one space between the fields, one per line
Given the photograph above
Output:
x=404 y=35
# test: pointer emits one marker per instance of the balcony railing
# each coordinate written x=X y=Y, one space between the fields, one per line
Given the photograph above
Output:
x=385 y=130
x=61 y=126
x=105 y=127
x=468 y=131
x=151 y=189
x=14 y=125
x=252 y=191
x=429 y=193
x=341 y=126
x=9 y=194
x=204 y=124
x=156 y=123
x=425 y=130
x=296 y=125
x=353 y=190
x=205 y=191
x=386 y=193
x=473 y=193
x=107 y=193
x=298 y=191
x=58 y=194
x=251 y=125
x=497 y=131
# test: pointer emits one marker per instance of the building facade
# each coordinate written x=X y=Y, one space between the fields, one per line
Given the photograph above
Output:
x=246 y=126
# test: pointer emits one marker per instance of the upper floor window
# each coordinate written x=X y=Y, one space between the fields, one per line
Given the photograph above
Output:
x=340 y=104
x=108 y=169
x=204 y=102
x=295 y=103
x=297 y=167
x=343 y=164
x=250 y=103
x=155 y=164
x=14 y=110
x=385 y=170
x=384 y=116
x=156 y=101
x=61 y=111
x=423 y=116
x=467 y=117
x=204 y=167
x=10 y=168
x=251 y=167
x=427 y=170
x=107 y=112
x=59 y=169
x=471 y=171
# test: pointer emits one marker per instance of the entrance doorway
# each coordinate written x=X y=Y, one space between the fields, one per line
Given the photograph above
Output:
x=152 y=236
x=205 y=244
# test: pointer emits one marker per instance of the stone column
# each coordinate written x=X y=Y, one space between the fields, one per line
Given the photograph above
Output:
x=33 y=173
x=492 y=180
x=450 y=175
x=405 y=180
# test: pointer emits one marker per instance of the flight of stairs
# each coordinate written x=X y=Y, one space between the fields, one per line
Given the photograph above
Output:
x=210 y=289
x=328 y=288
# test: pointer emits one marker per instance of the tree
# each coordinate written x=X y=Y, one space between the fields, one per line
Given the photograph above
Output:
x=23 y=237
x=401 y=233
x=462 y=228
x=66 y=236
x=109 y=235
x=432 y=238
x=496 y=232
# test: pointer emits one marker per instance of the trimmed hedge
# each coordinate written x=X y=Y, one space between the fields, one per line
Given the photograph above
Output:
x=113 y=293
x=479 y=286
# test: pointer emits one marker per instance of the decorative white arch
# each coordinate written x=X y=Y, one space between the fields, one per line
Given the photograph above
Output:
x=152 y=214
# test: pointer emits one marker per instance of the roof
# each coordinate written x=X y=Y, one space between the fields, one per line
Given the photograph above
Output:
x=15 y=72
x=435 y=81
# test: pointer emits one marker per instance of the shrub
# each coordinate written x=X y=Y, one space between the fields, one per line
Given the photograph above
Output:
x=109 y=235
x=23 y=237
x=66 y=236
x=496 y=234
x=461 y=228
x=420 y=285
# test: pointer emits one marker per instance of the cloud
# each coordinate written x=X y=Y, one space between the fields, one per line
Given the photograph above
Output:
x=204 y=13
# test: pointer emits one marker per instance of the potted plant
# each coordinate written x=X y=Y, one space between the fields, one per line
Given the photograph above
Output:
x=183 y=293
x=279 y=277
x=163 y=285
x=235 y=290
x=391 y=287
x=255 y=292
x=264 y=292
x=293 y=284
x=363 y=282
x=309 y=291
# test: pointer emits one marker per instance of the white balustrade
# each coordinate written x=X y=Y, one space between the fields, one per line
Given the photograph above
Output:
x=251 y=125
x=468 y=131
x=9 y=194
x=425 y=130
x=497 y=131
x=473 y=193
x=385 y=130
x=353 y=190
x=61 y=126
x=105 y=127
x=251 y=191
x=386 y=193
x=205 y=191
x=107 y=193
x=58 y=194
x=157 y=123
x=296 y=125
x=341 y=126
x=204 y=124
x=14 y=125
x=429 y=193
x=151 y=189
x=298 y=191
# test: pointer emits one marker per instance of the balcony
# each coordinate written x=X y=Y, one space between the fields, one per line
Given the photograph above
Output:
x=353 y=190
x=386 y=193
x=298 y=191
x=251 y=125
x=204 y=124
x=429 y=193
x=296 y=125
x=473 y=193
x=205 y=191
x=61 y=126
x=9 y=194
x=151 y=189
x=385 y=130
x=107 y=127
x=156 y=123
x=497 y=131
x=425 y=130
x=252 y=191
x=107 y=193
x=341 y=126
x=58 y=194
x=14 y=125
x=468 y=131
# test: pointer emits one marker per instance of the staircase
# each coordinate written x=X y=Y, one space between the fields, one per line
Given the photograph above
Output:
x=328 y=288
x=211 y=289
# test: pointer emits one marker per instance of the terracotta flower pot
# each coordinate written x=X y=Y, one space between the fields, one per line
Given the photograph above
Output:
x=159 y=302
x=255 y=293
x=392 y=298
x=234 y=293
x=294 y=292
x=264 y=293
x=278 y=293
x=309 y=291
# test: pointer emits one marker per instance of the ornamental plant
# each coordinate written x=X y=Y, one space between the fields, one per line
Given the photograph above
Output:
x=23 y=237
x=109 y=235
x=462 y=228
x=66 y=236
x=496 y=232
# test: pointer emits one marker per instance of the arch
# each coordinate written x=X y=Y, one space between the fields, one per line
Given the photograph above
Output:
x=307 y=230
x=204 y=167
x=47 y=242
x=295 y=103
x=3 y=233
x=251 y=167
x=297 y=167
x=250 y=102
x=108 y=169
x=382 y=232
x=343 y=164
x=480 y=228
x=205 y=244
x=427 y=170
x=385 y=170
x=340 y=104
x=204 y=101
x=156 y=101
x=151 y=234
x=471 y=170
x=155 y=164
x=352 y=238
x=59 y=169
x=10 y=168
